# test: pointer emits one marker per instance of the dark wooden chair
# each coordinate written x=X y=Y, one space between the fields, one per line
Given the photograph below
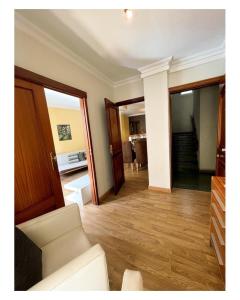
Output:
x=141 y=153
x=128 y=157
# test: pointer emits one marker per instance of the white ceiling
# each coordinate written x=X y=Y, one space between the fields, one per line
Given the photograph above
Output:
x=60 y=100
x=133 y=109
x=118 y=47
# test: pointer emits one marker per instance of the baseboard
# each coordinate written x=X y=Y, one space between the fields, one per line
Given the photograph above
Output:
x=159 y=189
x=106 y=194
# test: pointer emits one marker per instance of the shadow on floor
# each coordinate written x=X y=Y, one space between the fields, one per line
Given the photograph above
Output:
x=192 y=181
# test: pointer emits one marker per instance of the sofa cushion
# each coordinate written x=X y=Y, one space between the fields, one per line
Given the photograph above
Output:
x=62 y=250
x=28 y=262
x=82 y=156
x=80 y=164
x=72 y=158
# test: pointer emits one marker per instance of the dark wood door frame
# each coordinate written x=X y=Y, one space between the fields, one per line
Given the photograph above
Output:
x=130 y=101
x=197 y=85
x=182 y=88
x=22 y=73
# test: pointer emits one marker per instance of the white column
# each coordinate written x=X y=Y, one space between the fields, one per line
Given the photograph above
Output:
x=158 y=130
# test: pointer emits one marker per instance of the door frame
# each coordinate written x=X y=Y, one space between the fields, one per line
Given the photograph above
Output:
x=27 y=75
x=130 y=101
x=127 y=102
x=182 y=88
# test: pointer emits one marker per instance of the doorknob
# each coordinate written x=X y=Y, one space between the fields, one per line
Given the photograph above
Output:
x=53 y=159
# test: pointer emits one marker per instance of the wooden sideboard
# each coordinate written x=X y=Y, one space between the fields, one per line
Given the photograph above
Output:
x=217 y=227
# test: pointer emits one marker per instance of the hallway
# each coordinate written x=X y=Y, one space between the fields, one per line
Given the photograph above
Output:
x=165 y=236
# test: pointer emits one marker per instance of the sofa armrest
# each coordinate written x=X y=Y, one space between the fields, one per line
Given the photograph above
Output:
x=132 y=281
x=50 y=226
x=85 y=272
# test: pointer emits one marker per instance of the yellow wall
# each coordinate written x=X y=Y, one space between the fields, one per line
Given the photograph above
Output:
x=72 y=117
x=124 y=126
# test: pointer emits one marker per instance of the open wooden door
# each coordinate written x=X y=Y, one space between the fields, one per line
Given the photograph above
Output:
x=115 y=144
x=221 y=151
x=37 y=183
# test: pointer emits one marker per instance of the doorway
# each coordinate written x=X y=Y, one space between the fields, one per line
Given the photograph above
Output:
x=67 y=127
x=195 y=118
x=36 y=167
x=127 y=140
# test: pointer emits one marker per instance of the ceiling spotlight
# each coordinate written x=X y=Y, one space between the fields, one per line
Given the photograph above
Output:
x=128 y=13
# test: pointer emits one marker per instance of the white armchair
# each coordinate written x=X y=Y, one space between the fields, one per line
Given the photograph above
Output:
x=69 y=261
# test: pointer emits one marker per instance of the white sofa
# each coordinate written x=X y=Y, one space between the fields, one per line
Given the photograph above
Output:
x=65 y=165
x=69 y=261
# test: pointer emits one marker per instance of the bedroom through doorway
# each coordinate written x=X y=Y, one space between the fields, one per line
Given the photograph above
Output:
x=67 y=127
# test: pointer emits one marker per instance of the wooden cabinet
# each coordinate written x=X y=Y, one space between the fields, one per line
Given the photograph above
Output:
x=217 y=227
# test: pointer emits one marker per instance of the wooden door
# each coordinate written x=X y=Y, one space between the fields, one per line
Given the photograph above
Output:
x=115 y=144
x=37 y=183
x=221 y=153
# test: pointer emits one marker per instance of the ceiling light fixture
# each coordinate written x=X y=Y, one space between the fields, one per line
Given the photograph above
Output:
x=128 y=13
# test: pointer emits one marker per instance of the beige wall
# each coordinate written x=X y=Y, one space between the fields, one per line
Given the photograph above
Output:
x=128 y=91
x=74 y=119
x=208 y=127
x=124 y=127
x=38 y=57
x=201 y=72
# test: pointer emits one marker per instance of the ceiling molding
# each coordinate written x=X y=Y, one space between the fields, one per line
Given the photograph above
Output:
x=126 y=81
x=168 y=64
x=29 y=28
x=158 y=66
x=198 y=59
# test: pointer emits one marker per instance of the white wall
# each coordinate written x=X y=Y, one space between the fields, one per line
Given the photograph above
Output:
x=128 y=91
x=182 y=110
x=33 y=55
x=208 y=127
x=157 y=127
x=201 y=72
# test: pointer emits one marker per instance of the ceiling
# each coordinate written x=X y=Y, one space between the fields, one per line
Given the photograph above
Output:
x=133 y=109
x=60 y=100
x=117 y=47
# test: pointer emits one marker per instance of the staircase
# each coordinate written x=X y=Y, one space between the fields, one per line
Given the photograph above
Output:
x=184 y=152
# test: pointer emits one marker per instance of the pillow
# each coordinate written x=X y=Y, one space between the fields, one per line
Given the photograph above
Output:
x=72 y=155
x=73 y=158
x=28 y=262
x=82 y=156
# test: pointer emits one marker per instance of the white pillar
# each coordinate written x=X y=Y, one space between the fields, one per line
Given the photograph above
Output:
x=158 y=130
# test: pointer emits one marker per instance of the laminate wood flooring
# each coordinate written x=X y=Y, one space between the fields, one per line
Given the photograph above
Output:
x=165 y=236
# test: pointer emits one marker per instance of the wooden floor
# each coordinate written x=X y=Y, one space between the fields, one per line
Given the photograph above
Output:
x=165 y=236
